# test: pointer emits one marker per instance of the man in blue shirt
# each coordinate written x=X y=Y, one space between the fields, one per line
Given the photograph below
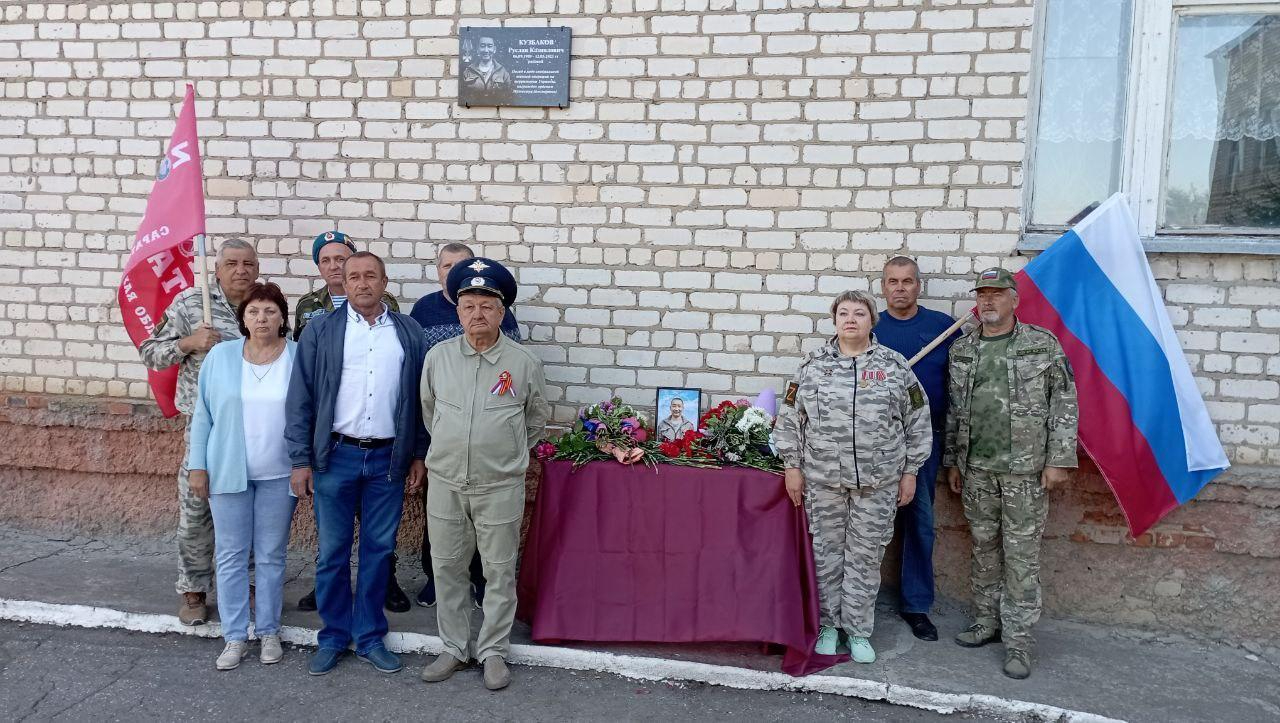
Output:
x=906 y=327
x=438 y=315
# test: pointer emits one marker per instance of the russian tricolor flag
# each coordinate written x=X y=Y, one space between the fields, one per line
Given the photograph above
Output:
x=1142 y=419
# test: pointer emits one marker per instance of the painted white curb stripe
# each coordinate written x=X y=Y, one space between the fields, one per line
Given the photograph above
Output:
x=627 y=666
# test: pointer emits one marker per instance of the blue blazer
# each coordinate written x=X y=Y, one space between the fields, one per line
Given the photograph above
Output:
x=313 y=393
x=217 y=422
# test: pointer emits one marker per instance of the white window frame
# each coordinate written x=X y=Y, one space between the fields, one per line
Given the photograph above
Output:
x=1150 y=84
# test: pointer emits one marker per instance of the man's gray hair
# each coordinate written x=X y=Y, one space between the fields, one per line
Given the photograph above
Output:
x=857 y=297
x=902 y=261
x=233 y=243
x=454 y=248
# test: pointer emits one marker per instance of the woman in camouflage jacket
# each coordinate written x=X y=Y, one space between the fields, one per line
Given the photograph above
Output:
x=853 y=432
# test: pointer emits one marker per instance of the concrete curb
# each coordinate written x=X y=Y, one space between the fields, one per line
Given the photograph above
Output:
x=627 y=666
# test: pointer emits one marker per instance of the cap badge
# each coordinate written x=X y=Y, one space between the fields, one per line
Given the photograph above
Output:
x=478 y=266
x=990 y=274
x=328 y=236
x=477 y=281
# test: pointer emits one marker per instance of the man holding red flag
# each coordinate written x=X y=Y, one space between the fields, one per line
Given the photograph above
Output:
x=174 y=325
x=182 y=338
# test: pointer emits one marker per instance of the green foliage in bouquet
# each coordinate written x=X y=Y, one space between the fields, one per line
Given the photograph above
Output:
x=737 y=433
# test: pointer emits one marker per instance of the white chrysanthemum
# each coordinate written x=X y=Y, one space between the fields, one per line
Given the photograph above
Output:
x=753 y=418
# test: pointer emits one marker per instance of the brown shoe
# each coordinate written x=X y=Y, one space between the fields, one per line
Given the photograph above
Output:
x=442 y=668
x=194 y=611
x=496 y=673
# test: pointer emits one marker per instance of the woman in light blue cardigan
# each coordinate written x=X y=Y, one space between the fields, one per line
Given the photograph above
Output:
x=238 y=460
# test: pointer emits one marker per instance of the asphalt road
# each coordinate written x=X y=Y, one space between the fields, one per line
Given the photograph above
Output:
x=49 y=673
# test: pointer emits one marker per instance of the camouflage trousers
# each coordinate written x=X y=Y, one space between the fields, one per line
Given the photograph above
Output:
x=1006 y=514
x=850 y=529
x=195 y=532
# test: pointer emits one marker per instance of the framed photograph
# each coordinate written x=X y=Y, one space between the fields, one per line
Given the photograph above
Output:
x=514 y=66
x=677 y=412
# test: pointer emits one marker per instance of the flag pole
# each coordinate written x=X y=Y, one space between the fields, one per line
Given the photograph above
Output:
x=941 y=338
x=202 y=278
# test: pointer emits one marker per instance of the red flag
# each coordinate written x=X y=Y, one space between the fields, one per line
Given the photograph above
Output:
x=160 y=264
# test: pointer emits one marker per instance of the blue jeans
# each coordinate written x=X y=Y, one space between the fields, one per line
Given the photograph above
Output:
x=256 y=520
x=356 y=479
x=917 y=536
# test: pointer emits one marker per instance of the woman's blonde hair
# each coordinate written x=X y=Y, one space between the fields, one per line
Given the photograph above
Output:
x=857 y=297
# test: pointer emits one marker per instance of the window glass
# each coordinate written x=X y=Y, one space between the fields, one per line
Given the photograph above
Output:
x=1080 y=126
x=1222 y=159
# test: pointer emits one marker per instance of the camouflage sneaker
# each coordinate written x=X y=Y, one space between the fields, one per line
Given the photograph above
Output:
x=827 y=640
x=1017 y=663
x=977 y=635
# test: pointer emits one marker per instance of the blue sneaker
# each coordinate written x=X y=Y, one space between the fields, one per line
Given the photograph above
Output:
x=324 y=660
x=827 y=639
x=382 y=660
x=427 y=595
x=861 y=651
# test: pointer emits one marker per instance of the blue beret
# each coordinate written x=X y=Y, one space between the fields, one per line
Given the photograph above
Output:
x=330 y=237
x=481 y=275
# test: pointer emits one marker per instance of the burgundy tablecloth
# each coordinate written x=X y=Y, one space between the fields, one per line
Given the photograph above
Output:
x=624 y=553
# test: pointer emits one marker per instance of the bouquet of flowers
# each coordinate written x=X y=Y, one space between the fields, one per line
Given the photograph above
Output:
x=737 y=433
x=608 y=430
x=733 y=433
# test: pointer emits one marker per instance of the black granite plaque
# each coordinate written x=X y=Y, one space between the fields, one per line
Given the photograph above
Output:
x=514 y=66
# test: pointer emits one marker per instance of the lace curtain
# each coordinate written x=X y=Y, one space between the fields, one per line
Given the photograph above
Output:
x=1085 y=64
x=1227 y=78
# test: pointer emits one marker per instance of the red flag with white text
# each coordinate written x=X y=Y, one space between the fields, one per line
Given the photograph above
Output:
x=159 y=265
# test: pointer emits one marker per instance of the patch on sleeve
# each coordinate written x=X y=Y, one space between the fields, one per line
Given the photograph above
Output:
x=916 y=395
x=789 y=398
x=1066 y=365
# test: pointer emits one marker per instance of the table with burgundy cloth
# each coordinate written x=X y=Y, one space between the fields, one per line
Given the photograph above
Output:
x=621 y=553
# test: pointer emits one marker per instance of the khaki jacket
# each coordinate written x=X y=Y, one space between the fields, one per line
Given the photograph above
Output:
x=1042 y=401
x=480 y=440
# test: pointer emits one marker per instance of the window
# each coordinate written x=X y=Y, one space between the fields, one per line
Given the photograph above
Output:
x=1177 y=105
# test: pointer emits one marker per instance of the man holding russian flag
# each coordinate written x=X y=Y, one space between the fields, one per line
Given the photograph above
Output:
x=1011 y=435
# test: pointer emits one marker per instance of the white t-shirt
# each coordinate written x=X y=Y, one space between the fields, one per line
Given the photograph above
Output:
x=264 y=417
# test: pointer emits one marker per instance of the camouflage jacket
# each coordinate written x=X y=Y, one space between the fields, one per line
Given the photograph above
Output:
x=854 y=421
x=160 y=350
x=1042 y=401
x=319 y=302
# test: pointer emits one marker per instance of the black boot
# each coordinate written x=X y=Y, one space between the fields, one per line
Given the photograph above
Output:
x=308 y=602
x=397 y=601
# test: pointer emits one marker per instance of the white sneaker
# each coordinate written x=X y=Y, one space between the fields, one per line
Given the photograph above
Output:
x=232 y=655
x=270 y=650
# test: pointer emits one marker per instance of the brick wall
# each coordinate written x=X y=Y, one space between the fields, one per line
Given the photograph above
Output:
x=725 y=169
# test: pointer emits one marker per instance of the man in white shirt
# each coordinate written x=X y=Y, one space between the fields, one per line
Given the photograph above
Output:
x=356 y=439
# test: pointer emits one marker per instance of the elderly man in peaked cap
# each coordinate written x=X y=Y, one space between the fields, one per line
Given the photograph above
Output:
x=484 y=405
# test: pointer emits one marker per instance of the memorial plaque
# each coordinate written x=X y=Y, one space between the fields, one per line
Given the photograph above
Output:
x=514 y=66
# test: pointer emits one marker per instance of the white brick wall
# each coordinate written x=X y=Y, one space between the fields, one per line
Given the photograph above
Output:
x=725 y=168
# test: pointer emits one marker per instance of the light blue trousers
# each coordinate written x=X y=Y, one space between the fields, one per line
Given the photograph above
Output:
x=256 y=519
